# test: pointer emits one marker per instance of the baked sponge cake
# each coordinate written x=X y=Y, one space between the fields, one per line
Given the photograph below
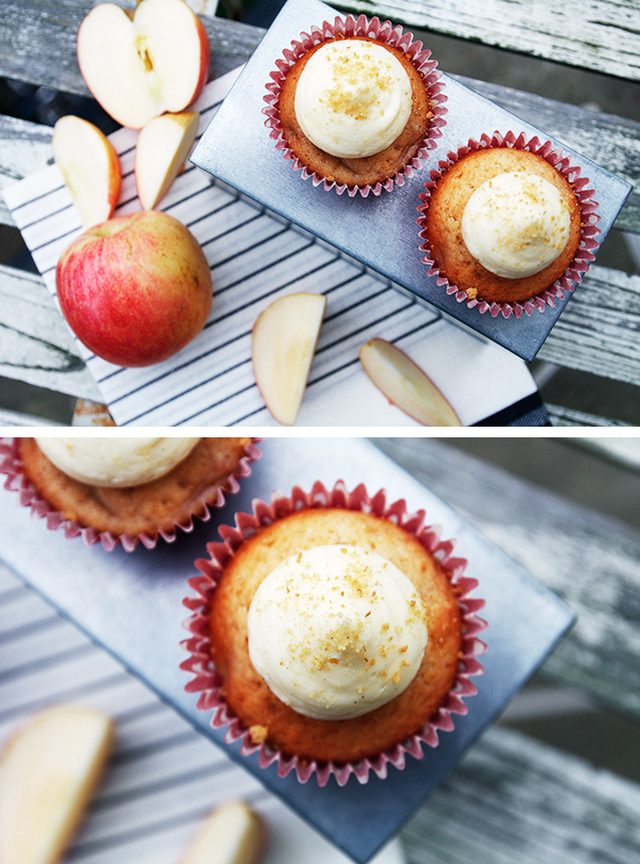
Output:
x=354 y=110
x=132 y=487
x=335 y=633
x=502 y=224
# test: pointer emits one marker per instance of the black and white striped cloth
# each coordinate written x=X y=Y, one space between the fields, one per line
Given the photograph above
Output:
x=164 y=776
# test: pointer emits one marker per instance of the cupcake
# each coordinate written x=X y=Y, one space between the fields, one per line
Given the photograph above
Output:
x=507 y=224
x=333 y=633
x=125 y=490
x=356 y=105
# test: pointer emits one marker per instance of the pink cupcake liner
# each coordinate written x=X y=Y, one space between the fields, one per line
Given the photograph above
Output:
x=584 y=255
x=17 y=481
x=386 y=32
x=207 y=682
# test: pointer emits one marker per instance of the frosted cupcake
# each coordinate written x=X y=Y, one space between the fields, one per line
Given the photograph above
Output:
x=508 y=225
x=333 y=634
x=125 y=490
x=356 y=105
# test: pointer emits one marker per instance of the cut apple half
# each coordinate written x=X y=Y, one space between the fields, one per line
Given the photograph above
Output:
x=90 y=167
x=405 y=385
x=282 y=347
x=139 y=66
x=232 y=834
x=48 y=772
x=161 y=151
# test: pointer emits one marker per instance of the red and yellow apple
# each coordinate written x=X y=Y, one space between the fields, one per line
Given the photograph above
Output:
x=139 y=65
x=135 y=289
x=89 y=166
x=161 y=151
x=405 y=384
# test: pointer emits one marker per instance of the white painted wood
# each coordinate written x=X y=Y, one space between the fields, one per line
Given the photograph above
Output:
x=598 y=329
x=513 y=800
x=39 y=37
x=600 y=35
x=560 y=416
x=36 y=344
x=591 y=560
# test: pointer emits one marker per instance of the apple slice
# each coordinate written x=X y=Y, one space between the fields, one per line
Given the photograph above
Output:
x=161 y=151
x=283 y=343
x=405 y=384
x=89 y=166
x=231 y=834
x=49 y=770
x=139 y=66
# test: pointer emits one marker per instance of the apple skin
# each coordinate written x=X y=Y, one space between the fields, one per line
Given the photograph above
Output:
x=135 y=289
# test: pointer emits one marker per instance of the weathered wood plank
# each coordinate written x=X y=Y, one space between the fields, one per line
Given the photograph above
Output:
x=38 y=42
x=560 y=416
x=513 y=800
x=598 y=329
x=590 y=559
x=24 y=149
x=601 y=35
x=36 y=345
x=13 y=418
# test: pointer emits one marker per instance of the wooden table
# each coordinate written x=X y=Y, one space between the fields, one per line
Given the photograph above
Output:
x=597 y=333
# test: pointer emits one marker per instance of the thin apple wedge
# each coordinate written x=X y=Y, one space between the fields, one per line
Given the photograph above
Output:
x=405 y=384
x=89 y=166
x=283 y=344
x=232 y=834
x=161 y=151
x=48 y=772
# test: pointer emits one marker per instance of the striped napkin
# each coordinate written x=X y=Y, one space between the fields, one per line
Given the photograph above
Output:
x=256 y=257
x=164 y=776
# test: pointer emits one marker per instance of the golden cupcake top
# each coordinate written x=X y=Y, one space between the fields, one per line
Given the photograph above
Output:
x=515 y=224
x=353 y=98
x=336 y=631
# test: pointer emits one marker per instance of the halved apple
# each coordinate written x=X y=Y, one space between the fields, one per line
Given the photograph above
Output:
x=405 y=384
x=232 y=834
x=161 y=151
x=89 y=166
x=139 y=66
x=283 y=343
x=48 y=772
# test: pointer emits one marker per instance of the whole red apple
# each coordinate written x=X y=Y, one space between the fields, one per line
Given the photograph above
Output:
x=135 y=289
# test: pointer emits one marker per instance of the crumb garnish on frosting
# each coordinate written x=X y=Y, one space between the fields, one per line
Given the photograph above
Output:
x=337 y=631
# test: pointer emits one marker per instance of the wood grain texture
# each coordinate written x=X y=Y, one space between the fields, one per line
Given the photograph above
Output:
x=560 y=416
x=513 y=800
x=38 y=42
x=35 y=343
x=24 y=149
x=591 y=560
x=598 y=329
x=601 y=35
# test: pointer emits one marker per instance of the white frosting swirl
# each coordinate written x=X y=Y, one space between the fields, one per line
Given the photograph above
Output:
x=336 y=631
x=116 y=461
x=353 y=98
x=516 y=224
